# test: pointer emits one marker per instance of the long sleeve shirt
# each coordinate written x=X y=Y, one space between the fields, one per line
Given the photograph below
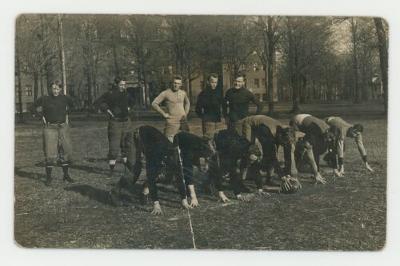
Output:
x=55 y=108
x=344 y=127
x=118 y=102
x=253 y=121
x=177 y=103
x=209 y=105
x=236 y=104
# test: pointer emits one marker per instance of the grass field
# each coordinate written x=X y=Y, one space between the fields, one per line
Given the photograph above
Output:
x=346 y=214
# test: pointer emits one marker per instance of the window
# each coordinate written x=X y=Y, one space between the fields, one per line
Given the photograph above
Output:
x=28 y=91
x=257 y=83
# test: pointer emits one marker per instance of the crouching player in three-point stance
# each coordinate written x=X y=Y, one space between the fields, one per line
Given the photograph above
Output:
x=239 y=158
x=56 y=139
x=317 y=140
x=344 y=130
x=271 y=134
x=179 y=158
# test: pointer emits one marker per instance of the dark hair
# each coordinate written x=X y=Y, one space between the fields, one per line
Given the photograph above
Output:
x=358 y=128
x=240 y=75
x=117 y=80
x=212 y=75
x=177 y=77
x=57 y=83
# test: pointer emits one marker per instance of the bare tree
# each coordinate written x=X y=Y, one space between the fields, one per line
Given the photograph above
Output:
x=383 y=57
x=268 y=30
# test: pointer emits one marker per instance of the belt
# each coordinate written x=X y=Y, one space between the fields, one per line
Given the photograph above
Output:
x=56 y=124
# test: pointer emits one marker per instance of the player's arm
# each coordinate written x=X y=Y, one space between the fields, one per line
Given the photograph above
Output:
x=362 y=151
x=200 y=106
x=340 y=154
x=156 y=104
x=225 y=105
x=256 y=102
x=246 y=130
x=33 y=110
x=186 y=104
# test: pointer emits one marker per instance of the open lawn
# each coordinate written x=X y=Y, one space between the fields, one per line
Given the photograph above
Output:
x=348 y=213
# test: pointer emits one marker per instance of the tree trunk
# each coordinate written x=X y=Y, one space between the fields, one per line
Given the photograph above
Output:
x=89 y=85
x=356 y=94
x=189 y=80
x=35 y=85
x=146 y=90
x=47 y=68
x=293 y=70
x=18 y=72
x=115 y=56
x=62 y=54
x=383 y=59
x=270 y=65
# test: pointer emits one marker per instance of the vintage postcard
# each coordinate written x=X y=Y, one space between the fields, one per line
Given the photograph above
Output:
x=239 y=132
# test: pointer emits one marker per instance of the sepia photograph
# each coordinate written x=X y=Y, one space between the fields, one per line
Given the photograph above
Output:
x=210 y=132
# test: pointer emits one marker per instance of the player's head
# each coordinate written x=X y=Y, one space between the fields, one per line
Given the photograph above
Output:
x=121 y=85
x=331 y=136
x=355 y=130
x=56 y=88
x=239 y=81
x=285 y=136
x=176 y=82
x=254 y=154
x=213 y=80
x=206 y=153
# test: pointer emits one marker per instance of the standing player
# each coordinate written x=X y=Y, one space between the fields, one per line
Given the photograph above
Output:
x=56 y=139
x=236 y=104
x=209 y=105
x=178 y=107
x=316 y=141
x=347 y=130
x=116 y=103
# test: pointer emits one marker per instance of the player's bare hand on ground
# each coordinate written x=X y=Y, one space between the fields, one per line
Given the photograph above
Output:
x=338 y=173
x=223 y=197
x=156 y=209
x=286 y=182
x=319 y=179
x=262 y=193
x=369 y=168
x=194 y=202
x=244 y=198
x=185 y=204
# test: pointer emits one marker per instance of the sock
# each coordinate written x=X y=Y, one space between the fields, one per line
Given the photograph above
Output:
x=364 y=158
x=49 y=169
x=111 y=163
x=146 y=190
x=340 y=161
x=65 y=169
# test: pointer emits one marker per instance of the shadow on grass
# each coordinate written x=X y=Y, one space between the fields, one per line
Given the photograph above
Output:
x=90 y=169
x=96 y=194
x=30 y=175
x=95 y=159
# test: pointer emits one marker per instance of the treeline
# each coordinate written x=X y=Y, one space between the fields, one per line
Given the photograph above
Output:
x=311 y=58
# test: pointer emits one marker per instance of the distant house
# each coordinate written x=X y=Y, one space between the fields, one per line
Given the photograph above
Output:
x=26 y=94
